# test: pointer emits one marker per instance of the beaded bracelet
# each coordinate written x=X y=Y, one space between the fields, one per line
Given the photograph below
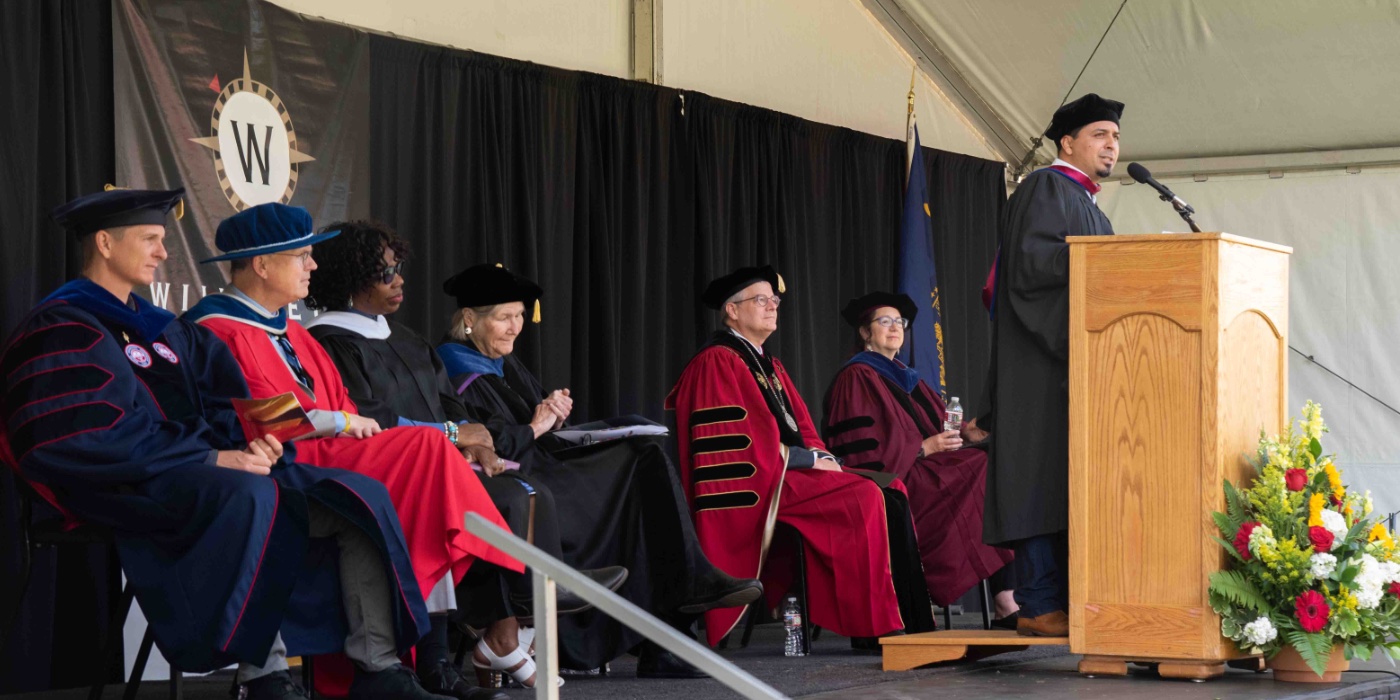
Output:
x=451 y=429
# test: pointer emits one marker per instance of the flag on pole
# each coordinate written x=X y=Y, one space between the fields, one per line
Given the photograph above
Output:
x=923 y=346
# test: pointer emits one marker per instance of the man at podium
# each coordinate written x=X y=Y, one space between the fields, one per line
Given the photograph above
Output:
x=1027 y=505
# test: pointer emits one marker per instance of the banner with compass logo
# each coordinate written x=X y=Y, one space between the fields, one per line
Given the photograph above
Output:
x=241 y=102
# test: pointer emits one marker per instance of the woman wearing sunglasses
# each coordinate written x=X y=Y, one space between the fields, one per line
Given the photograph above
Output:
x=881 y=416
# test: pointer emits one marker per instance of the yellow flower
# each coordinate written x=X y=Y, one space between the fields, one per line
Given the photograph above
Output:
x=1334 y=480
x=1315 y=505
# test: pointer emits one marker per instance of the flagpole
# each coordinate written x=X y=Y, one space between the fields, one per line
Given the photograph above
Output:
x=909 y=122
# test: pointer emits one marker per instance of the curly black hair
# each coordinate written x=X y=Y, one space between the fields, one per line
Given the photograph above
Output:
x=351 y=262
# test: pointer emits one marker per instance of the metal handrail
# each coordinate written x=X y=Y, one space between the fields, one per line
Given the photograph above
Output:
x=548 y=570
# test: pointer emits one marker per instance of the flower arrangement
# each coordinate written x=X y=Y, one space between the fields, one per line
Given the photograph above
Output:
x=1310 y=568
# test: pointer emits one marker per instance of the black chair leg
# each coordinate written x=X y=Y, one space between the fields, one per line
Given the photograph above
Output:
x=802 y=598
x=177 y=684
x=308 y=676
x=133 y=684
x=749 y=616
x=112 y=646
x=986 y=605
x=948 y=616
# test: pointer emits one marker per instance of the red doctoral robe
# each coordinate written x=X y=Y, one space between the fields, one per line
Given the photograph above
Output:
x=733 y=463
x=871 y=428
x=431 y=483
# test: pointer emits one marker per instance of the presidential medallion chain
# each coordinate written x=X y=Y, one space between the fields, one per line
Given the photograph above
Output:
x=773 y=388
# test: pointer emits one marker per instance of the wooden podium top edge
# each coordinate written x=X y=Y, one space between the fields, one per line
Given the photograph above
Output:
x=1217 y=236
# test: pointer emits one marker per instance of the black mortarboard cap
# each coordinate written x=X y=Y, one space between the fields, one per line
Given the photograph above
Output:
x=488 y=285
x=857 y=307
x=719 y=290
x=1085 y=110
x=115 y=207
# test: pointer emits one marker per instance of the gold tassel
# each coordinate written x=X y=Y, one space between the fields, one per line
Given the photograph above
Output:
x=536 y=317
x=782 y=286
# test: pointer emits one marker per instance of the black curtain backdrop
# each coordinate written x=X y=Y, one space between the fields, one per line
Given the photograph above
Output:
x=623 y=199
x=56 y=63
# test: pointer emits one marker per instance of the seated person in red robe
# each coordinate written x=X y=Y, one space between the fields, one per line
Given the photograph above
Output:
x=395 y=378
x=432 y=484
x=622 y=499
x=752 y=458
x=880 y=415
x=121 y=416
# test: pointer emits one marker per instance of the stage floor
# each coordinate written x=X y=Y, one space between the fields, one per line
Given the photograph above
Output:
x=833 y=672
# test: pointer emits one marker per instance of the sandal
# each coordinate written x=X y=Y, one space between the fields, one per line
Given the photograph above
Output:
x=488 y=675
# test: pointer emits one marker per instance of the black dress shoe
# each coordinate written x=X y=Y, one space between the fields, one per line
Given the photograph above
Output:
x=398 y=682
x=277 y=685
x=446 y=680
x=655 y=662
x=1005 y=623
x=569 y=603
x=722 y=591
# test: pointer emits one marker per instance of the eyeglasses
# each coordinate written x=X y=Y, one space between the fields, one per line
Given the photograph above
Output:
x=762 y=300
x=303 y=258
x=887 y=321
x=392 y=271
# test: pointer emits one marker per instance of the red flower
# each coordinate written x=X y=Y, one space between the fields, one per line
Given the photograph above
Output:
x=1297 y=479
x=1321 y=538
x=1312 y=611
x=1242 y=539
x=1394 y=589
x=1336 y=502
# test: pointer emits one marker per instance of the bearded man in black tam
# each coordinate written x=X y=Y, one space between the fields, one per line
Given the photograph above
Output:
x=1027 y=505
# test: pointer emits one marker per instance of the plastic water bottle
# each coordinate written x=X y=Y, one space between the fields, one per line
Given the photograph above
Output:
x=955 y=414
x=792 y=622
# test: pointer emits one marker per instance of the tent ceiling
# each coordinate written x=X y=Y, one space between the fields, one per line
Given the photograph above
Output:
x=1201 y=79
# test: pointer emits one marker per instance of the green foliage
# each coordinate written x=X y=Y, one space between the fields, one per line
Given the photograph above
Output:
x=1315 y=648
x=1239 y=590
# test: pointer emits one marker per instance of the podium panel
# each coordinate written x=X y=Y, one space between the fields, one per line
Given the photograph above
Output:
x=1177 y=360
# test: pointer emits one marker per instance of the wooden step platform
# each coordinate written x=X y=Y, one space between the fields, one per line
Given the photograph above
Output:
x=904 y=652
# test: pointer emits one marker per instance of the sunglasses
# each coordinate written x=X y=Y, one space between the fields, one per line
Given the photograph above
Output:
x=391 y=271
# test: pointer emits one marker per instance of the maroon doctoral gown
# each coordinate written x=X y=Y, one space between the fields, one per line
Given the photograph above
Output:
x=733 y=463
x=873 y=423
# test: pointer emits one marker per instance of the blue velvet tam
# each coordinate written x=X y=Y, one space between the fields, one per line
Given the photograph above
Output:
x=265 y=229
x=117 y=207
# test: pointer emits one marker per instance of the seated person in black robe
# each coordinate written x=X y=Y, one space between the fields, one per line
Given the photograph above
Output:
x=624 y=502
x=120 y=415
x=395 y=378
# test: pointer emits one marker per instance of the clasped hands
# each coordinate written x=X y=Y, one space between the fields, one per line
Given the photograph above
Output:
x=552 y=412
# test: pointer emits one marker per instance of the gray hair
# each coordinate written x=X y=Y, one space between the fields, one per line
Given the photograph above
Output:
x=457 y=327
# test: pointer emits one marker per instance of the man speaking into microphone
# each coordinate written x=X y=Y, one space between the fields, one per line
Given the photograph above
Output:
x=1027 y=506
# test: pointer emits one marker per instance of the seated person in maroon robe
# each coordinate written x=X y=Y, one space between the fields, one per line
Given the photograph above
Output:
x=751 y=458
x=880 y=415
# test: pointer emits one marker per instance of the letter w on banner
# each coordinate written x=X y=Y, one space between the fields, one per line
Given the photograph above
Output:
x=242 y=103
x=923 y=345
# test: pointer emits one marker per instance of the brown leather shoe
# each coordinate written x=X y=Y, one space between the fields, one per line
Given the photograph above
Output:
x=1051 y=624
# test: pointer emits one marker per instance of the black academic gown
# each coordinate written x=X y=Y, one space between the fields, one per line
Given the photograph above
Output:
x=1028 y=467
x=620 y=503
x=402 y=376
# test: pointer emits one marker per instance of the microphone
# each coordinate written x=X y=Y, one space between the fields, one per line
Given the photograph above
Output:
x=1143 y=175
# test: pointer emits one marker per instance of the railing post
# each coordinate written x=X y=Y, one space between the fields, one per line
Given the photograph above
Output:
x=546 y=638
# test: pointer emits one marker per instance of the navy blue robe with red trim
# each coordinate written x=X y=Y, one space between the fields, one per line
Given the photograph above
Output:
x=113 y=414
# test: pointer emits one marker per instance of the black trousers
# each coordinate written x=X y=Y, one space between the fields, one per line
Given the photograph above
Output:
x=484 y=594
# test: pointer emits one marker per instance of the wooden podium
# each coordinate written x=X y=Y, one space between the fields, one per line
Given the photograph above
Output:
x=1178 y=358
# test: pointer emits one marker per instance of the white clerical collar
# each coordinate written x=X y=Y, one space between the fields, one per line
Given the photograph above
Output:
x=1059 y=162
x=372 y=327
x=757 y=348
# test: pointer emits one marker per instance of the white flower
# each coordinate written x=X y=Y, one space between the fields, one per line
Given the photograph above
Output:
x=1372 y=579
x=1261 y=536
x=1322 y=565
x=1367 y=505
x=1260 y=632
x=1335 y=524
